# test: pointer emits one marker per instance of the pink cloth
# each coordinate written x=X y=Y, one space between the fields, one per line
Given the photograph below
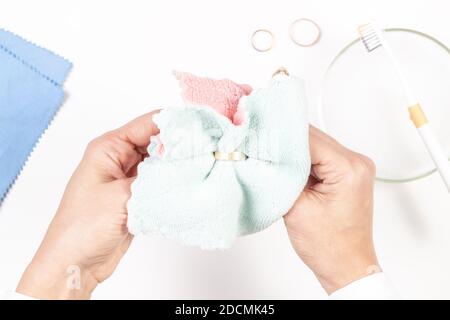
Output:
x=159 y=147
x=222 y=95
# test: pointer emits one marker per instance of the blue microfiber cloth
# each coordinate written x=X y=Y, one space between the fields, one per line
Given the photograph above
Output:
x=190 y=195
x=31 y=92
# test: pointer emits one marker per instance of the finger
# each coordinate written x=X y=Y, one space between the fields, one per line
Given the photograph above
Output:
x=312 y=181
x=139 y=131
x=329 y=158
x=132 y=172
x=123 y=247
x=120 y=192
x=323 y=148
x=114 y=154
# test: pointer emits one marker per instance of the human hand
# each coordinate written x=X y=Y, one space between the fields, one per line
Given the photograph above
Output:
x=330 y=224
x=88 y=235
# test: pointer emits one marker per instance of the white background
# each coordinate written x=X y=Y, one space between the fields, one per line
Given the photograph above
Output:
x=123 y=54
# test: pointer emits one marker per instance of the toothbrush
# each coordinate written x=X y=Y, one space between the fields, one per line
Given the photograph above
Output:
x=373 y=39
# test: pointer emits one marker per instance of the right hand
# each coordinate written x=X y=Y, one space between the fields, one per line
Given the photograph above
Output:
x=330 y=224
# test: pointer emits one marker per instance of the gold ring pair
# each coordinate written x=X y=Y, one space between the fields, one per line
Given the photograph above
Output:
x=292 y=28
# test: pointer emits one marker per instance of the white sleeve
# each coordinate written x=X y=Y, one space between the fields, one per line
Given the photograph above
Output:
x=12 y=295
x=376 y=286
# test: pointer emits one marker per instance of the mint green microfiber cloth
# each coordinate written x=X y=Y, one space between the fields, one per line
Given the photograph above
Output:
x=188 y=194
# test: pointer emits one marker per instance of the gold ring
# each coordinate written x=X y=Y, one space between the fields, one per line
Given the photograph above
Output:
x=301 y=44
x=281 y=70
x=232 y=156
x=263 y=49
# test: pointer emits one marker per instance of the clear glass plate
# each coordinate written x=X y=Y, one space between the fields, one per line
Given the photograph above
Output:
x=363 y=106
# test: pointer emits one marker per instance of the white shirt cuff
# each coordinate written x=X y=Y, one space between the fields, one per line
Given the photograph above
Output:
x=376 y=286
x=12 y=295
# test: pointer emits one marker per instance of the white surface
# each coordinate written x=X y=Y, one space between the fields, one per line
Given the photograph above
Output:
x=123 y=54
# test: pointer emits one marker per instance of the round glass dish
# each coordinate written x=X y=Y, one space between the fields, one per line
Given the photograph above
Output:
x=363 y=106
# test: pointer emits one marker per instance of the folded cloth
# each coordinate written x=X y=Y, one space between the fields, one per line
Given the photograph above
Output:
x=189 y=194
x=31 y=92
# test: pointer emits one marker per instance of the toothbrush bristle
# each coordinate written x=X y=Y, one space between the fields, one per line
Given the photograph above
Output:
x=369 y=37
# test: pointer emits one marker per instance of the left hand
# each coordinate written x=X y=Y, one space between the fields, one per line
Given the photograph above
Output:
x=88 y=235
